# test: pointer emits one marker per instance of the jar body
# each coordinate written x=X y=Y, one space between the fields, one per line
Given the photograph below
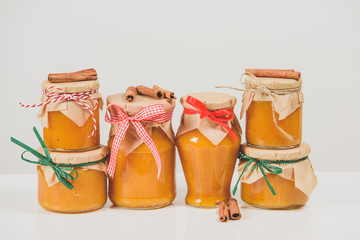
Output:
x=208 y=168
x=287 y=195
x=135 y=183
x=89 y=192
x=262 y=132
x=64 y=135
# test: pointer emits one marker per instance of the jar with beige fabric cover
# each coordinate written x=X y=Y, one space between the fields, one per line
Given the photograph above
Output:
x=208 y=141
x=273 y=108
x=142 y=162
x=89 y=187
x=70 y=115
x=276 y=179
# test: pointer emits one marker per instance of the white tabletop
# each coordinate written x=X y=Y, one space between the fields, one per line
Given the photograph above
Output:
x=333 y=212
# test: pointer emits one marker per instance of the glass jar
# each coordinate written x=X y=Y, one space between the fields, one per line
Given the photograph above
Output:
x=135 y=183
x=207 y=151
x=262 y=132
x=89 y=190
x=68 y=125
x=63 y=134
x=292 y=186
x=287 y=195
x=273 y=113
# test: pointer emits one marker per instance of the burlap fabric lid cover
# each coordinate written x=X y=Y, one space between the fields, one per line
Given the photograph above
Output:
x=301 y=173
x=71 y=158
x=284 y=93
x=132 y=139
x=210 y=129
x=70 y=109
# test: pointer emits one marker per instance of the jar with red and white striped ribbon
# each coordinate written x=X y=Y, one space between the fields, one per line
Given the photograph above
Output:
x=141 y=161
x=69 y=115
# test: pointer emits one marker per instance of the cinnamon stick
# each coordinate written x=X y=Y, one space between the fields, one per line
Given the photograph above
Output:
x=90 y=70
x=150 y=92
x=87 y=74
x=223 y=212
x=166 y=93
x=234 y=209
x=275 y=73
x=75 y=78
x=130 y=93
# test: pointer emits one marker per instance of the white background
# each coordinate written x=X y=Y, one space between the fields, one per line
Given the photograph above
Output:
x=186 y=46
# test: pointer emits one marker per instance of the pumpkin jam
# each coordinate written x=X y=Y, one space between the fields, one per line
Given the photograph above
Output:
x=89 y=192
x=208 y=168
x=135 y=183
x=262 y=132
x=63 y=134
x=287 y=195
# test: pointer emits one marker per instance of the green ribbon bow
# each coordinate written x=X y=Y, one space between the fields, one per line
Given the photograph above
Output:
x=263 y=164
x=60 y=169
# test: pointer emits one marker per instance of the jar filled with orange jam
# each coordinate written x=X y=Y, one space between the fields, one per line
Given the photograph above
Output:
x=89 y=188
x=287 y=182
x=208 y=141
x=139 y=179
x=71 y=120
x=273 y=109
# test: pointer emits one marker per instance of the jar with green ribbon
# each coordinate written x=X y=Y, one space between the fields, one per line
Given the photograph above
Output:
x=275 y=179
x=69 y=182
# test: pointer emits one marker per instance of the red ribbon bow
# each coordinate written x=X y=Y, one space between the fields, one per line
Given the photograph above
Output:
x=219 y=116
x=155 y=113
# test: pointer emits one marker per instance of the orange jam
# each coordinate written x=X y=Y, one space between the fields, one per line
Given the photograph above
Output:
x=208 y=168
x=89 y=192
x=135 y=183
x=63 y=134
x=287 y=195
x=262 y=132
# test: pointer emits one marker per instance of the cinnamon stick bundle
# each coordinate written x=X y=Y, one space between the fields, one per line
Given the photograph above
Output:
x=150 y=92
x=87 y=74
x=166 y=93
x=275 y=73
x=234 y=209
x=223 y=212
x=130 y=93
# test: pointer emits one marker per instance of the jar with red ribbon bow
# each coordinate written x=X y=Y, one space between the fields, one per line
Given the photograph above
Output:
x=141 y=165
x=69 y=114
x=208 y=141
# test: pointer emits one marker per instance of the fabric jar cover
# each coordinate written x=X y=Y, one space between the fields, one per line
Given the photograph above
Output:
x=71 y=158
x=132 y=140
x=71 y=109
x=301 y=173
x=211 y=130
x=285 y=94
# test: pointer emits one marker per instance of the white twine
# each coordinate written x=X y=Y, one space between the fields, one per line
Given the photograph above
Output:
x=265 y=90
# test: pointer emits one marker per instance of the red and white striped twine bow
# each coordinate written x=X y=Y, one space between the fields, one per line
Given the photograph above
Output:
x=153 y=114
x=80 y=98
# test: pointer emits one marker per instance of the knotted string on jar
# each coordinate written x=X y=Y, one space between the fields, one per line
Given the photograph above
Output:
x=269 y=92
x=263 y=165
